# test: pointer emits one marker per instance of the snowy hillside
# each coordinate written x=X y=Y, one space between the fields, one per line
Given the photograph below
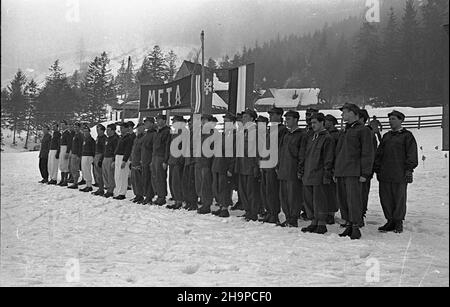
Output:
x=48 y=231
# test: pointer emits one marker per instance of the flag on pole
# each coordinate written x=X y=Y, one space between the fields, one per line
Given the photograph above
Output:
x=197 y=89
x=241 y=83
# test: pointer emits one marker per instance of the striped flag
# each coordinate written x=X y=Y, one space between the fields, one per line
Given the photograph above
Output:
x=208 y=87
x=241 y=88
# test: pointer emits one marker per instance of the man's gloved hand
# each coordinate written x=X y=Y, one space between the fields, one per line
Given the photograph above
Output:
x=409 y=177
x=57 y=156
x=256 y=172
x=100 y=163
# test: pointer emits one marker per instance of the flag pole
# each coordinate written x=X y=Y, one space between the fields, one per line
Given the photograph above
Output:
x=202 y=82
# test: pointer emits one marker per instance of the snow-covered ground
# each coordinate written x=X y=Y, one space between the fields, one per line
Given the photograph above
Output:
x=49 y=232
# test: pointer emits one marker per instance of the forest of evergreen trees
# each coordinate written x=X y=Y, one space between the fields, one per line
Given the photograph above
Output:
x=399 y=61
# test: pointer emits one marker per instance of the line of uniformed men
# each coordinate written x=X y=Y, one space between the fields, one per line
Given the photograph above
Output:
x=320 y=169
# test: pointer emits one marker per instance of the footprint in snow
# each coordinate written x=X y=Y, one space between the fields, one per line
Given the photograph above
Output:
x=191 y=269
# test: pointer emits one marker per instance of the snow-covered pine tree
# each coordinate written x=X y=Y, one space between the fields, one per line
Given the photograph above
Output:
x=171 y=65
x=99 y=89
x=120 y=80
x=16 y=103
x=56 y=100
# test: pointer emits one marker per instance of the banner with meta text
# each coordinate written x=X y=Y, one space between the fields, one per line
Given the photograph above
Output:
x=173 y=95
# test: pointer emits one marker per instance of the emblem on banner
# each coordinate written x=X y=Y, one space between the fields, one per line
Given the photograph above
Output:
x=208 y=86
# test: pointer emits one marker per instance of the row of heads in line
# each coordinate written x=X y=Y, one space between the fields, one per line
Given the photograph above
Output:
x=245 y=116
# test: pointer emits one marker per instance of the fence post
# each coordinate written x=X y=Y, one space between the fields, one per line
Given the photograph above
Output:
x=418 y=123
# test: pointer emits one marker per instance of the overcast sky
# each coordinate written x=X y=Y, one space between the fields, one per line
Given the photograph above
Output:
x=33 y=30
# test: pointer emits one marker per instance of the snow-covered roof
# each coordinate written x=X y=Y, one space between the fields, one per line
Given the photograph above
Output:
x=289 y=98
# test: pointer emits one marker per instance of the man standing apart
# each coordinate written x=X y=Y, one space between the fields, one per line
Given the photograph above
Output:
x=160 y=158
x=353 y=166
x=43 y=154
x=315 y=170
x=108 y=160
x=395 y=162
x=53 y=155
x=98 y=159
x=122 y=162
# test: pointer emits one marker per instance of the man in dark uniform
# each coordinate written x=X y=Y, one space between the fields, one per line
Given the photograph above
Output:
x=270 y=185
x=75 y=155
x=238 y=205
x=87 y=158
x=72 y=134
x=65 y=146
x=176 y=166
x=108 y=160
x=122 y=160
x=394 y=165
x=330 y=125
x=222 y=169
x=363 y=118
x=98 y=159
x=203 y=177
x=291 y=193
x=43 y=153
x=377 y=127
x=53 y=155
x=146 y=160
x=248 y=168
x=353 y=166
x=160 y=158
x=315 y=170
x=136 y=165
x=189 y=193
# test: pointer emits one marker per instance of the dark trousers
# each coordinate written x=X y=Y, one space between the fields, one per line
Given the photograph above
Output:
x=291 y=197
x=175 y=178
x=159 y=177
x=136 y=181
x=365 y=190
x=222 y=189
x=147 y=182
x=43 y=162
x=198 y=179
x=393 y=200
x=203 y=180
x=249 y=189
x=98 y=173
x=316 y=202
x=188 y=185
x=332 y=199
x=349 y=199
x=170 y=183
x=270 y=191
